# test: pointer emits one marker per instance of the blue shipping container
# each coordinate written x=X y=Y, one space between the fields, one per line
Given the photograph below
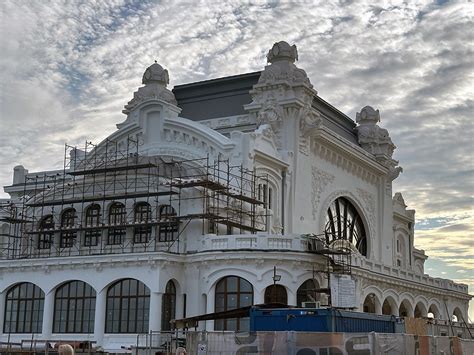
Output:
x=319 y=320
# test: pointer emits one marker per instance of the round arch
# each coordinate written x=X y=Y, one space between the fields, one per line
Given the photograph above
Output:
x=457 y=315
x=232 y=292
x=74 y=307
x=121 y=296
x=276 y=294
x=357 y=204
x=434 y=309
x=168 y=305
x=307 y=292
x=24 y=303
x=420 y=310
x=215 y=276
x=405 y=309
x=389 y=306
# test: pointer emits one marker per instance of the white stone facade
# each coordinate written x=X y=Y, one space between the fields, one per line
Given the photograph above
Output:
x=308 y=166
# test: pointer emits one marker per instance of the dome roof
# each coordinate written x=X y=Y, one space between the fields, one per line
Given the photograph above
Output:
x=155 y=74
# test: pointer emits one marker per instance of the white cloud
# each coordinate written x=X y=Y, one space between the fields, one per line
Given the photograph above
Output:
x=67 y=68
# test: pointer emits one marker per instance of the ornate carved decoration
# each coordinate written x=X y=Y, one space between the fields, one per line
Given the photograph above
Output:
x=343 y=162
x=369 y=206
x=320 y=179
x=155 y=79
x=310 y=120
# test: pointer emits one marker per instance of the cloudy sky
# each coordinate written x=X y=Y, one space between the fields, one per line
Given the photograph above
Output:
x=68 y=67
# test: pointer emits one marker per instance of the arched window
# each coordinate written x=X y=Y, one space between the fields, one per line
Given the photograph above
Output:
x=307 y=292
x=142 y=232
x=45 y=237
x=128 y=307
x=68 y=219
x=74 y=308
x=343 y=222
x=117 y=217
x=24 y=309
x=168 y=306
x=265 y=194
x=91 y=237
x=168 y=230
x=276 y=294
x=233 y=292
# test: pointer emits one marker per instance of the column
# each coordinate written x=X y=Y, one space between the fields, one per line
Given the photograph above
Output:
x=210 y=307
x=155 y=311
x=291 y=298
x=259 y=297
x=2 y=309
x=99 y=317
x=48 y=311
x=378 y=306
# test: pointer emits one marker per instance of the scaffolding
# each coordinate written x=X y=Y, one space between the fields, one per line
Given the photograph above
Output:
x=337 y=254
x=109 y=199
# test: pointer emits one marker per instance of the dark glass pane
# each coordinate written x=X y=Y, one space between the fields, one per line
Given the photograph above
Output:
x=245 y=286
x=232 y=283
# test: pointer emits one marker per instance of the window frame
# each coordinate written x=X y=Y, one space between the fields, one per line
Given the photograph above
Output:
x=35 y=300
x=116 y=295
x=86 y=316
x=225 y=324
x=142 y=213
x=45 y=238
x=117 y=216
x=92 y=219
x=68 y=219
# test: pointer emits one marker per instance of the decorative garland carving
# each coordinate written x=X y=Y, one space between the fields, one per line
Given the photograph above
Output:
x=319 y=181
x=369 y=207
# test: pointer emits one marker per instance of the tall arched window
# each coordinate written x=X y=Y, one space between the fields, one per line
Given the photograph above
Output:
x=142 y=233
x=23 y=309
x=45 y=237
x=128 y=307
x=117 y=217
x=276 y=294
x=91 y=237
x=68 y=219
x=168 y=306
x=168 y=230
x=233 y=292
x=343 y=222
x=74 y=308
x=307 y=292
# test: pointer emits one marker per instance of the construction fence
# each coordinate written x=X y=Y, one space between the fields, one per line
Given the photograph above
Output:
x=300 y=343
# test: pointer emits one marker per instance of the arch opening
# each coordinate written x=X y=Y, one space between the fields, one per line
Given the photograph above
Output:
x=74 y=308
x=232 y=292
x=24 y=303
x=168 y=306
x=307 y=292
x=127 y=307
x=276 y=294
x=343 y=222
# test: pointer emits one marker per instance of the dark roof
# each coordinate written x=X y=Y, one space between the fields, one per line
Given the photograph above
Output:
x=223 y=97
x=214 y=98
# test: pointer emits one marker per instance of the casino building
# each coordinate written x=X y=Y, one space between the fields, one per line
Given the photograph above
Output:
x=214 y=195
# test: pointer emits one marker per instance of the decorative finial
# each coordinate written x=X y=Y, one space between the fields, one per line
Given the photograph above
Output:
x=282 y=51
x=155 y=74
